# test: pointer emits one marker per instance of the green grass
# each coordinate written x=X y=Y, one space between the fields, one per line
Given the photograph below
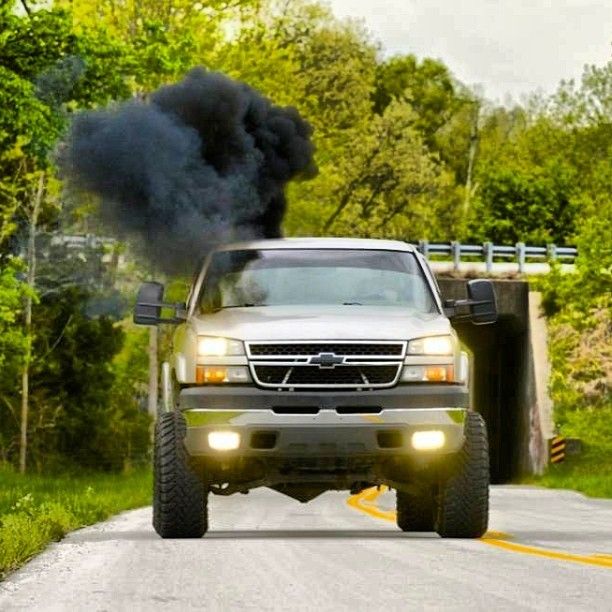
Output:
x=590 y=477
x=36 y=510
x=591 y=471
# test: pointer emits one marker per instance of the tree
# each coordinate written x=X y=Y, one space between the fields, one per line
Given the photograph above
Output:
x=528 y=204
x=33 y=214
x=47 y=69
x=390 y=185
x=427 y=85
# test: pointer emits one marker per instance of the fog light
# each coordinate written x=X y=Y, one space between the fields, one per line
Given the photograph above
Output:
x=223 y=440
x=428 y=440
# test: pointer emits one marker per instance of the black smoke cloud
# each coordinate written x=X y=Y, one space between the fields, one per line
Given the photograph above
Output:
x=201 y=162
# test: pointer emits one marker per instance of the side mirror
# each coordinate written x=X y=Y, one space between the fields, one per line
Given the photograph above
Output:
x=149 y=304
x=482 y=301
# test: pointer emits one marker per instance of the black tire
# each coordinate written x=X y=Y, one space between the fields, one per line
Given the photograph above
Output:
x=463 y=503
x=179 y=499
x=415 y=512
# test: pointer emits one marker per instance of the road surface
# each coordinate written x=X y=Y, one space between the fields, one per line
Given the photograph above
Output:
x=546 y=550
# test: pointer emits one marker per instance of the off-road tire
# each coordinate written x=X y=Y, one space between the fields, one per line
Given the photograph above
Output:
x=415 y=512
x=179 y=499
x=463 y=502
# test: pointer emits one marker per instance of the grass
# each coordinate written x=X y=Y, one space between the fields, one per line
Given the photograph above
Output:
x=591 y=477
x=36 y=510
x=591 y=471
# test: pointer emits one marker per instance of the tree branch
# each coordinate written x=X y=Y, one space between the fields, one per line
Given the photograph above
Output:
x=26 y=8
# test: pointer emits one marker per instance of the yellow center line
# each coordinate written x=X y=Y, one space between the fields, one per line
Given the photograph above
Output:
x=365 y=502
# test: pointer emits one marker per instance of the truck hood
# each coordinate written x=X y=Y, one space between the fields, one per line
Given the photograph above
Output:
x=321 y=323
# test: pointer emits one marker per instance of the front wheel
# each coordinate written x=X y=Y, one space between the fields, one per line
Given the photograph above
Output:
x=179 y=499
x=415 y=511
x=463 y=503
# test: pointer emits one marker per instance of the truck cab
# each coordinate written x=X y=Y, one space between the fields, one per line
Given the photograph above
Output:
x=308 y=365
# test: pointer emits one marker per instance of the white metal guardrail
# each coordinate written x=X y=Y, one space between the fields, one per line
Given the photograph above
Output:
x=453 y=255
x=488 y=252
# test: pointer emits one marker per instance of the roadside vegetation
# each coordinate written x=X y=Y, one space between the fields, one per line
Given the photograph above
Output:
x=579 y=309
x=404 y=151
x=36 y=510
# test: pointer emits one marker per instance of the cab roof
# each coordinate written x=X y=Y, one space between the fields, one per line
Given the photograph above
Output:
x=320 y=243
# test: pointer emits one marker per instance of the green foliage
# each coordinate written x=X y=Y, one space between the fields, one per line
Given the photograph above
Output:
x=543 y=168
x=388 y=186
x=427 y=85
x=529 y=204
x=579 y=307
x=36 y=510
x=89 y=409
x=12 y=291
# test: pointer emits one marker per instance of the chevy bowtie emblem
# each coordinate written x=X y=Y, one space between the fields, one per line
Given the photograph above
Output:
x=326 y=360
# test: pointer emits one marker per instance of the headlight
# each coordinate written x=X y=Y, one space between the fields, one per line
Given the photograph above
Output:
x=433 y=345
x=212 y=346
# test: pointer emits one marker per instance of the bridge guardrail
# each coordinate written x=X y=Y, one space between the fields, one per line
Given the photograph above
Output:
x=520 y=252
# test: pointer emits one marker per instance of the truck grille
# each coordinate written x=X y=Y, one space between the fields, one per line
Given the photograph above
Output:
x=358 y=364
x=393 y=349
x=354 y=376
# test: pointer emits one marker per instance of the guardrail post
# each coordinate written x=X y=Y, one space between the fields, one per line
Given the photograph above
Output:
x=487 y=249
x=551 y=251
x=456 y=254
x=520 y=256
x=424 y=248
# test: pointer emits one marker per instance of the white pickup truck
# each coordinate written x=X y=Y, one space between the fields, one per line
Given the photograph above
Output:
x=308 y=365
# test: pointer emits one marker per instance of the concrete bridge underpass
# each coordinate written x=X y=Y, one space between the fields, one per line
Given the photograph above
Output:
x=509 y=362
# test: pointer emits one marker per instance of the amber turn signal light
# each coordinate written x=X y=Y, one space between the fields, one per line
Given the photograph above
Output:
x=208 y=374
x=439 y=373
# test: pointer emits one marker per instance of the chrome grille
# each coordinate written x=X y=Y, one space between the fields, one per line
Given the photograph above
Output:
x=338 y=348
x=316 y=364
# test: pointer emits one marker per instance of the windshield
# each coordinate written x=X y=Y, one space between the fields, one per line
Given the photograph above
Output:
x=285 y=277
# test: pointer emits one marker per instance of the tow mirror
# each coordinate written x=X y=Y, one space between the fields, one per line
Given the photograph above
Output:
x=481 y=302
x=149 y=304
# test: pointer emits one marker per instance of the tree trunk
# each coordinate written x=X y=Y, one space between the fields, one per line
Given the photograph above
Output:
x=471 y=158
x=31 y=281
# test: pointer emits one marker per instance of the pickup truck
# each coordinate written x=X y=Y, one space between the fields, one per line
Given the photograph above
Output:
x=314 y=364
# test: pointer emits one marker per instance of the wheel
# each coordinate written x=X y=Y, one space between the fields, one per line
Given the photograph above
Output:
x=414 y=511
x=179 y=500
x=463 y=503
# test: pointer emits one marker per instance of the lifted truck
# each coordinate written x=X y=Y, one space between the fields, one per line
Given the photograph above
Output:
x=308 y=365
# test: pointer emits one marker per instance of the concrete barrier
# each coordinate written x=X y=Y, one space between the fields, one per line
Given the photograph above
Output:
x=510 y=377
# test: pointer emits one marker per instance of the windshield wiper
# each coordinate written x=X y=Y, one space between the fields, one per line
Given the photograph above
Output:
x=352 y=304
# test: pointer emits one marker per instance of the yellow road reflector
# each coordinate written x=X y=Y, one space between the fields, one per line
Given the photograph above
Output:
x=557 y=449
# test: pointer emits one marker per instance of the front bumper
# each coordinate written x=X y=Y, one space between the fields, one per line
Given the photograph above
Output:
x=339 y=424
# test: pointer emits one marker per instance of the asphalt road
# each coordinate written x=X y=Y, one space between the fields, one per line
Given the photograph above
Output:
x=546 y=550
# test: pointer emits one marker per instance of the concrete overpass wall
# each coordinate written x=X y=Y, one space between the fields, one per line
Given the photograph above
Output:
x=510 y=377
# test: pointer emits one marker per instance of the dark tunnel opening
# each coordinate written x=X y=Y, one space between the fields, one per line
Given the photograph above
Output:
x=500 y=373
